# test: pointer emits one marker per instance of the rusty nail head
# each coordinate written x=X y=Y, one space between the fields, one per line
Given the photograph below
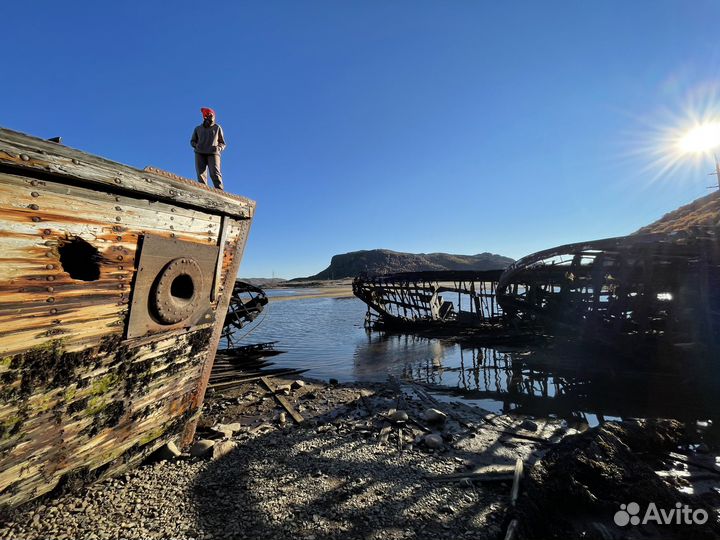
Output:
x=75 y=161
x=50 y=289
x=118 y=238
x=35 y=194
x=120 y=267
x=117 y=218
x=51 y=278
x=53 y=311
x=36 y=219
x=50 y=300
x=47 y=231
x=24 y=157
x=118 y=181
x=33 y=183
x=119 y=209
x=50 y=267
x=34 y=207
x=119 y=257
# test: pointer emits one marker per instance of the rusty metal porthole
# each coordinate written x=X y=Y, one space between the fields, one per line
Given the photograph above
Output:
x=176 y=294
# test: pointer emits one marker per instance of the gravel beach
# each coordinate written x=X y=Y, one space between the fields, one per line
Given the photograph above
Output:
x=367 y=461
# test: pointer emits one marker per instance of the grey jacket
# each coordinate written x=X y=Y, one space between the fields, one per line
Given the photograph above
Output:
x=208 y=139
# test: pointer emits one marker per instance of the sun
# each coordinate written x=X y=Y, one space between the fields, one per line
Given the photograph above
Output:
x=700 y=138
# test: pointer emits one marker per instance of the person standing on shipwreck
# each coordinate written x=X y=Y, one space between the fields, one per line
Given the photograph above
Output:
x=208 y=141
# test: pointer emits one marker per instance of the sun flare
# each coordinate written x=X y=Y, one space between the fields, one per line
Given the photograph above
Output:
x=701 y=138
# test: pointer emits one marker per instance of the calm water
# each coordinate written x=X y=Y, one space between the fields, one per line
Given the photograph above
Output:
x=326 y=336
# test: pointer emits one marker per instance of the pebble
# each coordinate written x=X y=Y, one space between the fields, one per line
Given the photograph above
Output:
x=433 y=441
x=434 y=416
x=201 y=448
x=399 y=417
x=223 y=448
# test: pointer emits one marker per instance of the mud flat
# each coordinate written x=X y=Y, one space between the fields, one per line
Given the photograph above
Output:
x=281 y=458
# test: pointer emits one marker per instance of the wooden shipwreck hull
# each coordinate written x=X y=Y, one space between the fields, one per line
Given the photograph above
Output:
x=433 y=299
x=114 y=285
x=658 y=290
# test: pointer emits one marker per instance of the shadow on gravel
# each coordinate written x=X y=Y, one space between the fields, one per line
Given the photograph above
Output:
x=331 y=481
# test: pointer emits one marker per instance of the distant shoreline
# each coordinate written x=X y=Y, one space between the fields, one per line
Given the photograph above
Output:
x=321 y=292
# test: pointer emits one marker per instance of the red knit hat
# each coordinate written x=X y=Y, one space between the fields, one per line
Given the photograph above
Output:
x=206 y=112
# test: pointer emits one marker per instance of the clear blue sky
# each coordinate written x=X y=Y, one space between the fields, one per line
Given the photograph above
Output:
x=455 y=126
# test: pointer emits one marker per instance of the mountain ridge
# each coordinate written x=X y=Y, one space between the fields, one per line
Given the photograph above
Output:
x=386 y=261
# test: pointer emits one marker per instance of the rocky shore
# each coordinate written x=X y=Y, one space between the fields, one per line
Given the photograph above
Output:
x=303 y=459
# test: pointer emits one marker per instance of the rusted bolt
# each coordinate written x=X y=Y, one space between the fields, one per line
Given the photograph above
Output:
x=119 y=209
x=51 y=278
x=117 y=218
x=119 y=257
x=36 y=219
x=47 y=231
x=118 y=181
x=172 y=209
x=34 y=194
x=50 y=289
x=53 y=311
x=172 y=218
x=120 y=267
x=173 y=192
x=171 y=227
x=50 y=300
x=50 y=267
x=33 y=207
x=49 y=254
x=75 y=161
x=118 y=238
x=117 y=228
x=121 y=286
x=117 y=199
x=172 y=235
x=33 y=183
x=24 y=157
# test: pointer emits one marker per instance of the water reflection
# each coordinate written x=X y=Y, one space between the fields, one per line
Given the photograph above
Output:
x=326 y=337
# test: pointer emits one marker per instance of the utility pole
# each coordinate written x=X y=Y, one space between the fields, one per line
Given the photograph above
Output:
x=716 y=173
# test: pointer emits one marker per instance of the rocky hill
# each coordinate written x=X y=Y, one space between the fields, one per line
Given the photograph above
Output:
x=384 y=261
x=702 y=212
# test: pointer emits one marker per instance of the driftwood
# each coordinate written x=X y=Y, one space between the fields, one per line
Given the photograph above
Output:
x=517 y=476
x=284 y=402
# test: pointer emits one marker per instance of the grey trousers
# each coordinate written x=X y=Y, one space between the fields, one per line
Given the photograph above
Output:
x=212 y=162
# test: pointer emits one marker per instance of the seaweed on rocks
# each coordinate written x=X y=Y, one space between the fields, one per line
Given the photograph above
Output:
x=575 y=490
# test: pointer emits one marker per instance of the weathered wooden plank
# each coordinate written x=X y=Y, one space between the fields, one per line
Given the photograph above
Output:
x=20 y=151
x=36 y=245
x=284 y=402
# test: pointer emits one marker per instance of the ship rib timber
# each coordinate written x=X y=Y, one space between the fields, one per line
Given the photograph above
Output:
x=77 y=396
